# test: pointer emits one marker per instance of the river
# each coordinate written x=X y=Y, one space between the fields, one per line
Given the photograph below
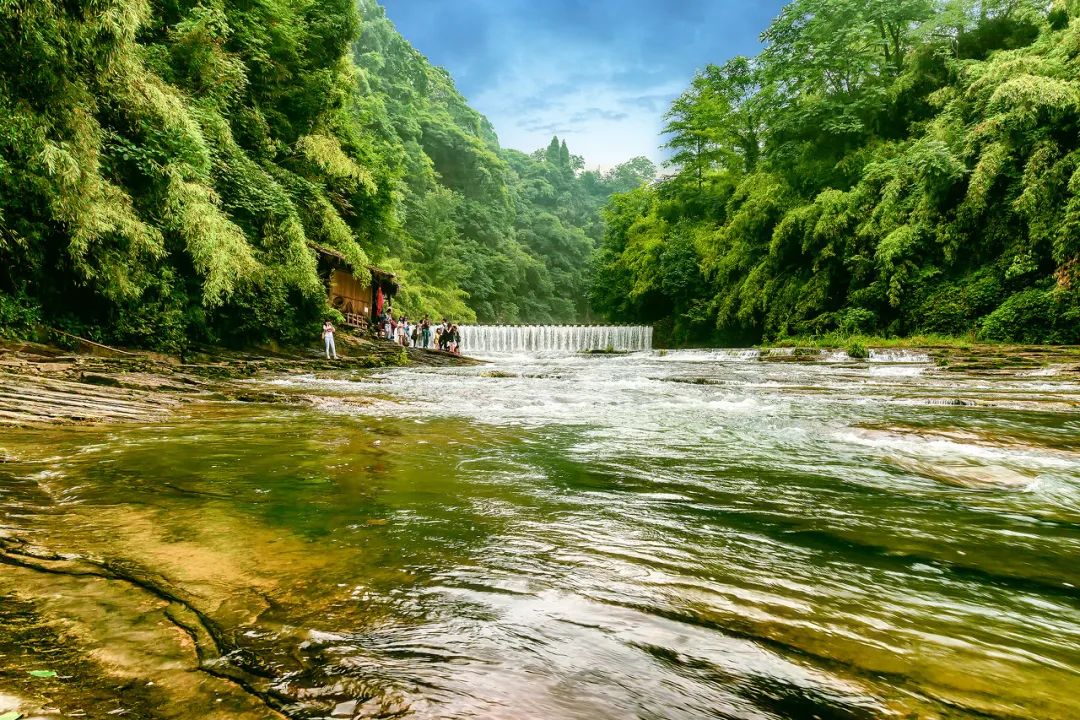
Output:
x=695 y=534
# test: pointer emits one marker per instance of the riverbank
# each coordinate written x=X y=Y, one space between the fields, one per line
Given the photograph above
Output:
x=912 y=342
x=953 y=353
x=43 y=384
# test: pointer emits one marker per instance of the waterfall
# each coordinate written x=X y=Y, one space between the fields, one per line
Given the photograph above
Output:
x=554 y=338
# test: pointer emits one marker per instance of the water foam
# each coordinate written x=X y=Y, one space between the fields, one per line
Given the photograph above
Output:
x=532 y=339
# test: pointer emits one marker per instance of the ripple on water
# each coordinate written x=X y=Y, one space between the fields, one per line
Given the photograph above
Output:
x=691 y=535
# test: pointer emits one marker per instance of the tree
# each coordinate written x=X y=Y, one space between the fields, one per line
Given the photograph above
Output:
x=887 y=167
x=836 y=47
x=165 y=168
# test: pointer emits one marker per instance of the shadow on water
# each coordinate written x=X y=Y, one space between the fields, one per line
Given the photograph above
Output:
x=782 y=699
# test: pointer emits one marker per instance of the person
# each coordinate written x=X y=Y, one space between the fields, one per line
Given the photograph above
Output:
x=455 y=339
x=328 y=338
x=444 y=335
x=438 y=337
x=425 y=332
x=384 y=322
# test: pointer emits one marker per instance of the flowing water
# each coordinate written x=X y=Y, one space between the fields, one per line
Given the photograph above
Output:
x=487 y=339
x=683 y=535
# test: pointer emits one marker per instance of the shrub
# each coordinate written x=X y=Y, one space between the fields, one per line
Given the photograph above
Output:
x=857 y=350
x=18 y=316
x=856 y=321
x=954 y=307
x=1035 y=316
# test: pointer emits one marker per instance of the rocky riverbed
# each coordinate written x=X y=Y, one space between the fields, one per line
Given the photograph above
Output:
x=42 y=385
x=682 y=535
x=133 y=651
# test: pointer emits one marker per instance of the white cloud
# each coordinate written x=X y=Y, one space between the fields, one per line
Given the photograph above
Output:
x=600 y=120
x=599 y=74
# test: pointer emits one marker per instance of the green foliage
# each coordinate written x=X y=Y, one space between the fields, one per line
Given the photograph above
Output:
x=856 y=321
x=18 y=316
x=482 y=232
x=881 y=168
x=145 y=157
x=166 y=166
x=1036 y=316
x=856 y=350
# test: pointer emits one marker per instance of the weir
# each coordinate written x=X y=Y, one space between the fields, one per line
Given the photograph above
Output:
x=555 y=338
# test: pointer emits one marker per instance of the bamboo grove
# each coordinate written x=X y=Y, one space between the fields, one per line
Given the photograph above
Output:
x=882 y=167
x=166 y=167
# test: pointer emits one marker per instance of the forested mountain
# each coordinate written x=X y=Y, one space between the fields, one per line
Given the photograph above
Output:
x=166 y=165
x=506 y=235
x=883 y=166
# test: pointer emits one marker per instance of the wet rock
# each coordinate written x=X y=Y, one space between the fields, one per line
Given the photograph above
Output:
x=951 y=402
x=693 y=381
x=96 y=379
x=42 y=386
x=9 y=703
x=799 y=354
x=314 y=693
x=371 y=708
x=985 y=477
x=344 y=710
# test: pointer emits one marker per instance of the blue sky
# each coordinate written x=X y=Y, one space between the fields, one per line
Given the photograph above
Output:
x=600 y=73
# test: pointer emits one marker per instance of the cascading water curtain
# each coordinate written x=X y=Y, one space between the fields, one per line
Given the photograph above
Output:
x=555 y=338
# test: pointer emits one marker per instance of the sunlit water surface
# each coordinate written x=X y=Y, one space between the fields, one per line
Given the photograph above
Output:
x=689 y=535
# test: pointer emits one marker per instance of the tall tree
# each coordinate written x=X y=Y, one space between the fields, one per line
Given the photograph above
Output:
x=888 y=167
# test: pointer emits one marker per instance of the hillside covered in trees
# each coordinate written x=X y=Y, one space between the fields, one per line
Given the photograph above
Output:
x=484 y=230
x=883 y=166
x=167 y=165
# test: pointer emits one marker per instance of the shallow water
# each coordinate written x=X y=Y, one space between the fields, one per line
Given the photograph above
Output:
x=689 y=535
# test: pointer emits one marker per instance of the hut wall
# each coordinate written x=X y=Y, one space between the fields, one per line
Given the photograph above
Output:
x=351 y=297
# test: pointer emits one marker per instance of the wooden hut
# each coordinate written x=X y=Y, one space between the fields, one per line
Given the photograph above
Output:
x=354 y=297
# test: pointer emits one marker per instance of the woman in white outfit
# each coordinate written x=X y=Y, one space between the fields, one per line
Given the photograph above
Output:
x=328 y=337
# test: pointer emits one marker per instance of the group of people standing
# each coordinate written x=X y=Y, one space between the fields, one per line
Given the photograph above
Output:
x=444 y=336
